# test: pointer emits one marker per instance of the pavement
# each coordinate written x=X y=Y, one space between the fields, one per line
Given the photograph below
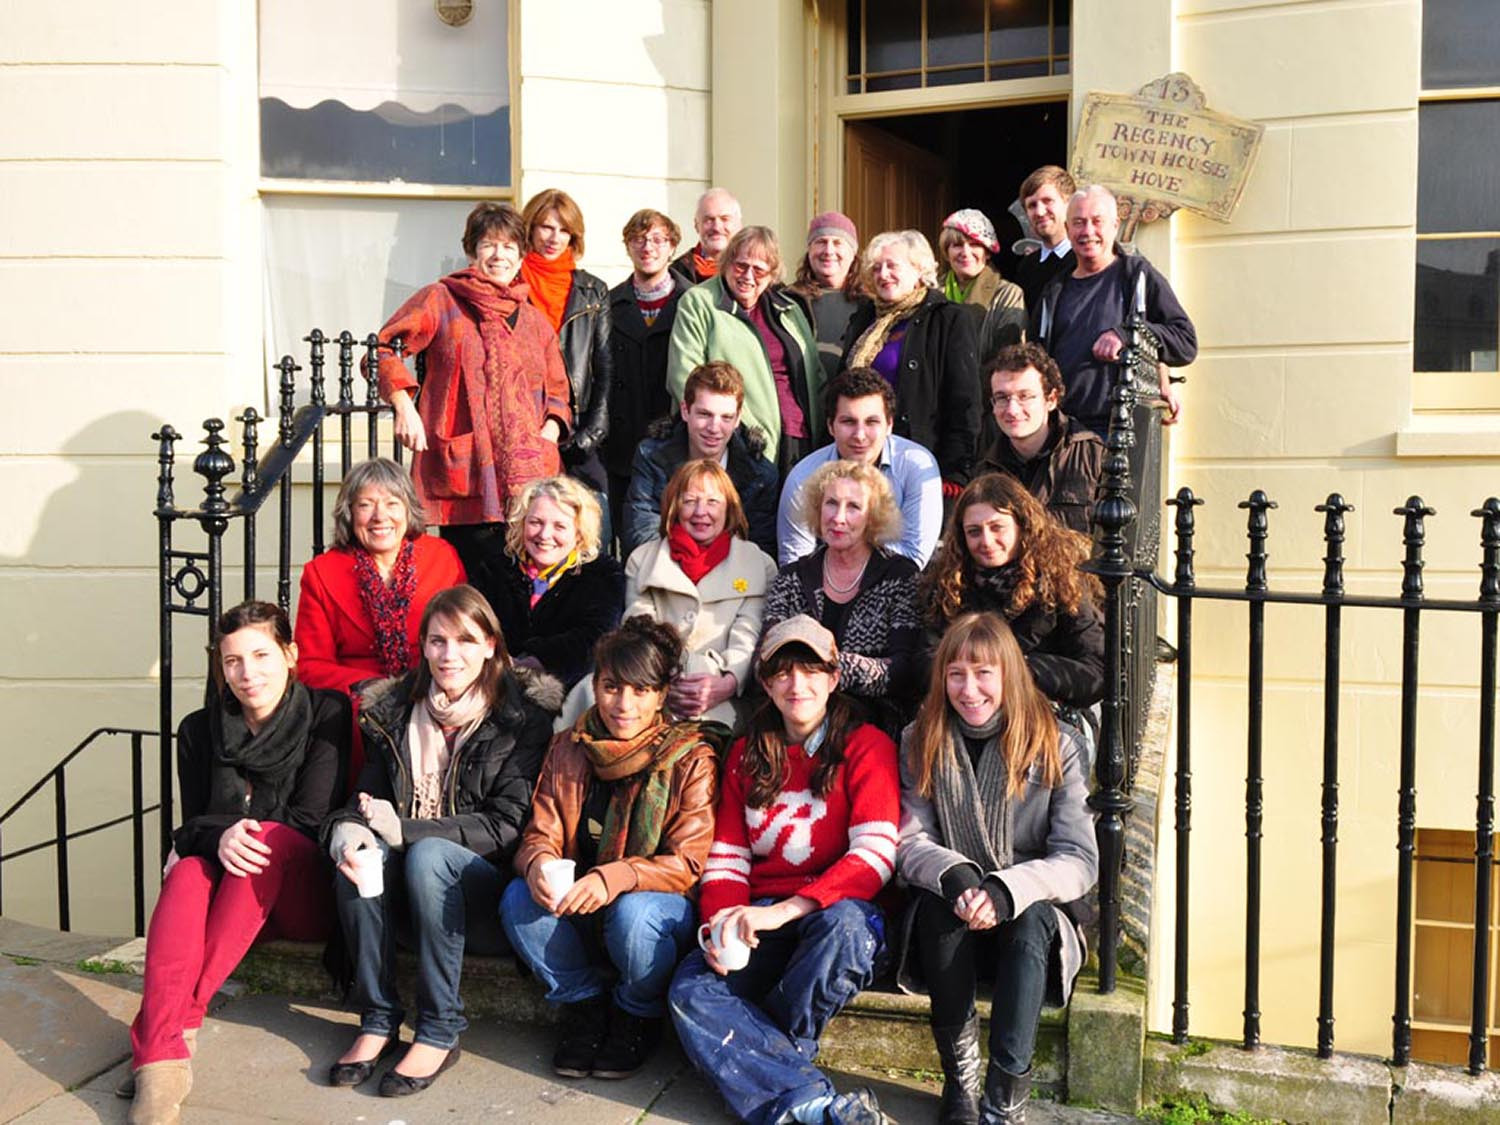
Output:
x=66 y=1002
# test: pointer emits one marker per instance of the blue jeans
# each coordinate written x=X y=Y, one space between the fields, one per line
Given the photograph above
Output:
x=641 y=934
x=754 y=1033
x=440 y=899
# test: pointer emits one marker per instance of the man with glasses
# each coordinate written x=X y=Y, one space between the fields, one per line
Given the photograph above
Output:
x=1056 y=458
x=642 y=309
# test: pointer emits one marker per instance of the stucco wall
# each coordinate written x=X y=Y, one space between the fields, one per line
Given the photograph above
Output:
x=1304 y=312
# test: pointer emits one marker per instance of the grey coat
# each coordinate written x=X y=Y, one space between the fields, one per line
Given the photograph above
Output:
x=1056 y=858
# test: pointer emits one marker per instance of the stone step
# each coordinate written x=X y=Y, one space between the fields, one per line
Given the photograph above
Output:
x=879 y=1030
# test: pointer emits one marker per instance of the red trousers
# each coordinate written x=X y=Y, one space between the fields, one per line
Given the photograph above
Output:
x=206 y=920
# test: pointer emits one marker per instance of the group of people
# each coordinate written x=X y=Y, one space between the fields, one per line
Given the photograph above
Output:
x=683 y=691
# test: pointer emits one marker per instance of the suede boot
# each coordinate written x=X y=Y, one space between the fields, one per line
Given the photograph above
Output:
x=160 y=1089
x=958 y=1047
x=125 y=1088
x=1005 y=1097
x=584 y=1024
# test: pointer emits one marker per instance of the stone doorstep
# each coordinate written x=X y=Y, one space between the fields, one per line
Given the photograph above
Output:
x=879 y=1030
x=1293 y=1085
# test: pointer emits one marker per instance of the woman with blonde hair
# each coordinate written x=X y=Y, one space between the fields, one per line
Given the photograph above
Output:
x=1003 y=553
x=924 y=346
x=558 y=593
x=996 y=841
x=857 y=587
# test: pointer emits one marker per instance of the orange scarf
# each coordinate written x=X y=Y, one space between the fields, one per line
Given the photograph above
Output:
x=550 y=283
x=705 y=268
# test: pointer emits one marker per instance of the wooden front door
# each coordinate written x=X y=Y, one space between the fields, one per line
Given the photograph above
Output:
x=891 y=184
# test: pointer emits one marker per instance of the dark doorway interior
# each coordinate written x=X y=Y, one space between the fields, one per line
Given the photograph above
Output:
x=987 y=152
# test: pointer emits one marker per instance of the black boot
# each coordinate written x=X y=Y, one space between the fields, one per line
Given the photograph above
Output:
x=958 y=1047
x=628 y=1045
x=583 y=1026
x=1005 y=1097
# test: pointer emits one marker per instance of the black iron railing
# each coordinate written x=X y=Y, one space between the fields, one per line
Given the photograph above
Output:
x=57 y=778
x=191 y=582
x=1120 y=561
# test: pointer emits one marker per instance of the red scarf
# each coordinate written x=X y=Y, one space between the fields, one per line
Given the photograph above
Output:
x=489 y=299
x=705 y=268
x=387 y=605
x=550 y=283
x=696 y=559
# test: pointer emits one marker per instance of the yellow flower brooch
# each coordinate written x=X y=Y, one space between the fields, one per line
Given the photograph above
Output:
x=740 y=585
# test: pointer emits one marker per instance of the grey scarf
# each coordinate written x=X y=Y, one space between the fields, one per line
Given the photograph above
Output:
x=972 y=805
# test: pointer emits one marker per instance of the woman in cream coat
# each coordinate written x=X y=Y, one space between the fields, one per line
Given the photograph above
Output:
x=703 y=576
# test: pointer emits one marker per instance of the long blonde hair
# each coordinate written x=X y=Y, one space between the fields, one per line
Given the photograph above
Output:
x=1029 y=733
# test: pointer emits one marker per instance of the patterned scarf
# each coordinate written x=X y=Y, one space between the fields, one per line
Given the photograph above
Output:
x=888 y=314
x=696 y=559
x=544 y=578
x=972 y=805
x=550 y=283
x=705 y=268
x=387 y=606
x=437 y=729
x=642 y=766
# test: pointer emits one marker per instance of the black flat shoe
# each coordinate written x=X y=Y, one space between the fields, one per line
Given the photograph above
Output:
x=353 y=1073
x=393 y=1085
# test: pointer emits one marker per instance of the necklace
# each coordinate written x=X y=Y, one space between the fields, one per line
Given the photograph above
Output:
x=853 y=584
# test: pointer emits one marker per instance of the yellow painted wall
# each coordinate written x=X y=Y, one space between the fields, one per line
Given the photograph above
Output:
x=1304 y=386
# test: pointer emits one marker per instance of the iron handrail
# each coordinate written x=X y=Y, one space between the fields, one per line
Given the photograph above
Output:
x=63 y=836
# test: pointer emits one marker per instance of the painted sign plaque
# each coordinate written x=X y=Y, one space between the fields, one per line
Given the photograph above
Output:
x=1161 y=149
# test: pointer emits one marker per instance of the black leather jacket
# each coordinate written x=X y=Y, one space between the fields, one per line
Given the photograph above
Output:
x=584 y=339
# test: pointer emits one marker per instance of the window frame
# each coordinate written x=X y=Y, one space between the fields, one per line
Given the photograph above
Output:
x=1451 y=392
x=381 y=189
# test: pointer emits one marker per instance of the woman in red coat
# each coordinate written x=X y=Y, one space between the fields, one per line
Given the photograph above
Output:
x=361 y=603
x=495 y=400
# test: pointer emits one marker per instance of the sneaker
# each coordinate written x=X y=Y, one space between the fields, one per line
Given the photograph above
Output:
x=628 y=1045
x=857 y=1107
x=583 y=1027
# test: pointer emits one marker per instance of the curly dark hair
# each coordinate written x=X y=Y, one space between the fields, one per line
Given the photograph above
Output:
x=1047 y=556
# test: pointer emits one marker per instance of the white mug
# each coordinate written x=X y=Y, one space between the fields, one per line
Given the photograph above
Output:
x=369 y=872
x=558 y=875
x=732 y=953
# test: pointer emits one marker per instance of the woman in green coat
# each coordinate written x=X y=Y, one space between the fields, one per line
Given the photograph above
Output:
x=745 y=317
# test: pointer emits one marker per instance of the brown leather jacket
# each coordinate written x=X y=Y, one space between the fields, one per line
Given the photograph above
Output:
x=557 y=806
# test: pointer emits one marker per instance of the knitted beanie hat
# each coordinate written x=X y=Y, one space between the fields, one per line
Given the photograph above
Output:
x=832 y=222
x=972 y=223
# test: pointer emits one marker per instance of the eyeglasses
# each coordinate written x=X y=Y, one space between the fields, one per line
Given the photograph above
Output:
x=1020 y=398
x=751 y=269
x=655 y=241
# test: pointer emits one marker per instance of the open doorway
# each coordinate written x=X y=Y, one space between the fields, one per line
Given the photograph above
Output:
x=913 y=170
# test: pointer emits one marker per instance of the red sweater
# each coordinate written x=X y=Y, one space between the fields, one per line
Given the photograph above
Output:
x=827 y=848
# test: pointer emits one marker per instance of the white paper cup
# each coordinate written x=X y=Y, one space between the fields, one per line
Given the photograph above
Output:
x=369 y=872
x=732 y=953
x=558 y=875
